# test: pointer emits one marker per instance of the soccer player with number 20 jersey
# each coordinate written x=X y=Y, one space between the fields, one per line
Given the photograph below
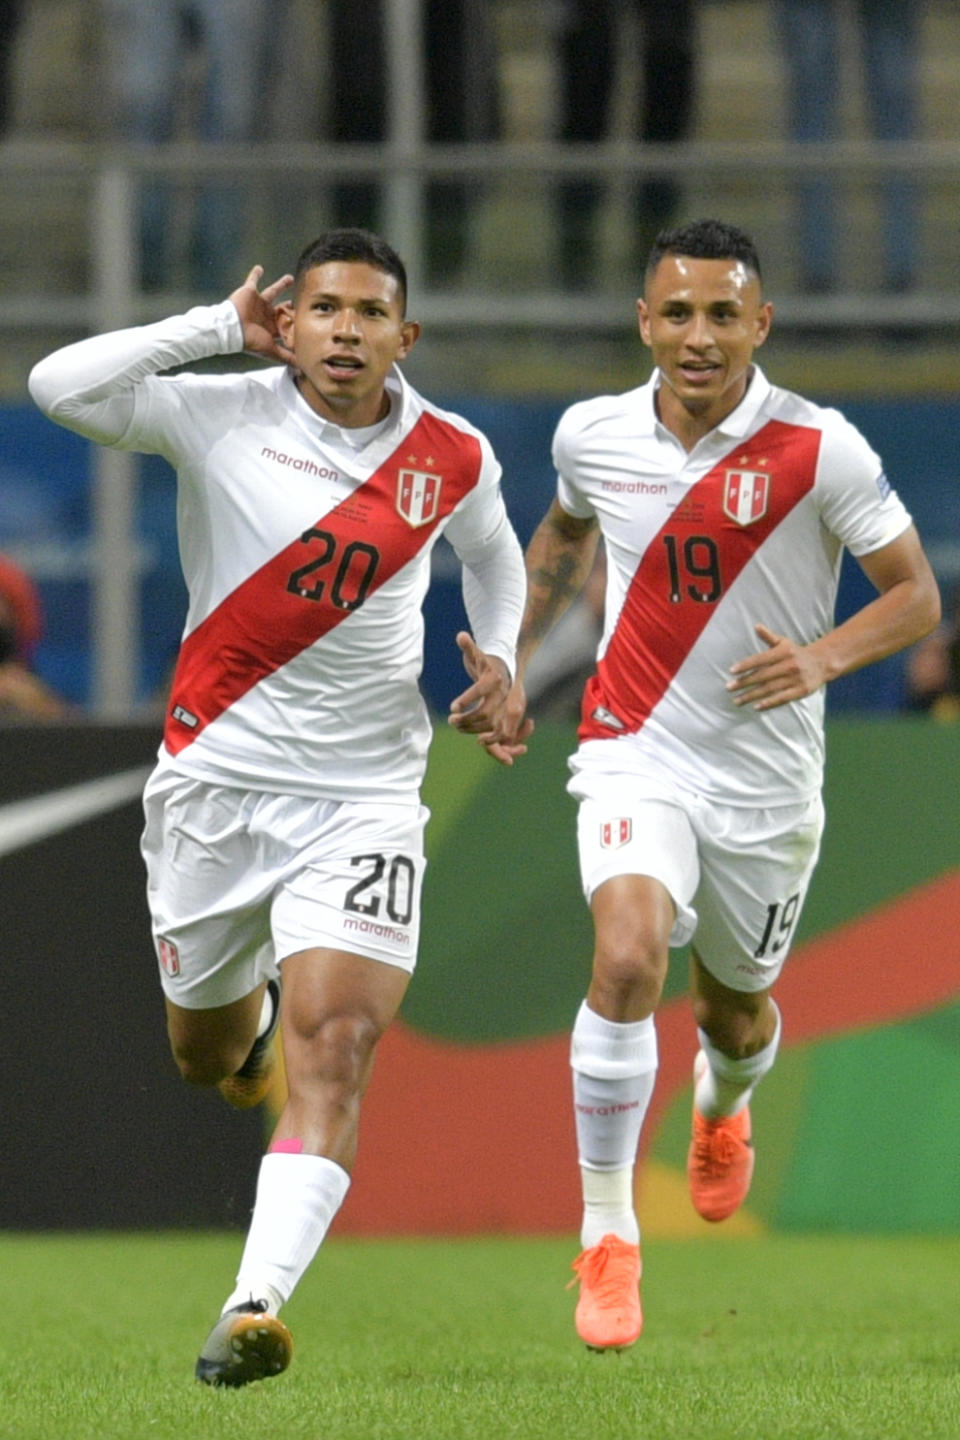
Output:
x=283 y=822
x=724 y=505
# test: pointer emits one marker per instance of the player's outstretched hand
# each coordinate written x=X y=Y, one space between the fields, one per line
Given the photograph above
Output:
x=785 y=671
x=506 y=744
x=481 y=709
x=258 y=315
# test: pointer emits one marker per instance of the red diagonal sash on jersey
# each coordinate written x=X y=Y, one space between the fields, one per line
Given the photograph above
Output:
x=661 y=620
x=365 y=540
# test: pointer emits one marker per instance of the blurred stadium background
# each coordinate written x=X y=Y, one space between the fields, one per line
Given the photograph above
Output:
x=506 y=345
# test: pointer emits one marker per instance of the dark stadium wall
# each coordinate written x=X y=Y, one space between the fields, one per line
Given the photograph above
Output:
x=96 y=1127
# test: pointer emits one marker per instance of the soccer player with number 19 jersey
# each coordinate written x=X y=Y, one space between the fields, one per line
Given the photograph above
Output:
x=283 y=823
x=724 y=505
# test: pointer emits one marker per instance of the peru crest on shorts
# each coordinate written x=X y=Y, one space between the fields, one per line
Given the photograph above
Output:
x=616 y=832
x=745 y=495
x=418 y=496
x=169 y=956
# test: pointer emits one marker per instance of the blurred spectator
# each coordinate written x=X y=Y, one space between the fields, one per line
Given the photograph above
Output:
x=589 y=50
x=933 y=668
x=461 y=82
x=11 y=12
x=149 y=47
x=23 y=695
x=889 y=33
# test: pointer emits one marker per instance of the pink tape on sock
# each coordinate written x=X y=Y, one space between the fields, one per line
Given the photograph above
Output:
x=286 y=1147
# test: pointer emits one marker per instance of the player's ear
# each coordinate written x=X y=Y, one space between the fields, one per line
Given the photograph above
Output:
x=409 y=335
x=643 y=320
x=285 y=313
x=764 y=321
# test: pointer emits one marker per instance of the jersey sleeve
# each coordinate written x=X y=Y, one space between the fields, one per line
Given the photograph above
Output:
x=494 y=594
x=565 y=451
x=109 y=389
x=478 y=513
x=857 y=503
x=494 y=579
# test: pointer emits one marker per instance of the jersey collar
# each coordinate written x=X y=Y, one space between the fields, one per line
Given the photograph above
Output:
x=737 y=424
x=741 y=420
x=383 y=445
x=647 y=405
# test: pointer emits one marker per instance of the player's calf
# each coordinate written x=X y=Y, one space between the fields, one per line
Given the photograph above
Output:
x=253 y=1081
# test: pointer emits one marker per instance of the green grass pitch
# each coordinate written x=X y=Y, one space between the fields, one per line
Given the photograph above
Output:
x=797 y=1337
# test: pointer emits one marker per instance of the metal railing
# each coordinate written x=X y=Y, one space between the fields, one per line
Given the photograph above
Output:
x=113 y=174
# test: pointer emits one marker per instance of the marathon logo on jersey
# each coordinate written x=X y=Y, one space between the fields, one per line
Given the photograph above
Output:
x=168 y=955
x=616 y=832
x=745 y=495
x=418 y=496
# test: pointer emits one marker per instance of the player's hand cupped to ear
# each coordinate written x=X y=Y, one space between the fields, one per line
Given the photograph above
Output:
x=258 y=315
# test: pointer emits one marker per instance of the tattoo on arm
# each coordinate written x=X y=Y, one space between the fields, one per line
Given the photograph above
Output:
x=559 y=560
x=552 y=588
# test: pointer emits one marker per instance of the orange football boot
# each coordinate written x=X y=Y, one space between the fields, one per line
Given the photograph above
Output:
x=608 y=1313
x=719 y=1161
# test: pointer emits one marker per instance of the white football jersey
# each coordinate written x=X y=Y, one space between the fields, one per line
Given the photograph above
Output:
x=748 y=527
x=306 y=559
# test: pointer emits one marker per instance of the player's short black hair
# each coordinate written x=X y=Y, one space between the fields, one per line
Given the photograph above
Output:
x=705 y=240
x=353 y=244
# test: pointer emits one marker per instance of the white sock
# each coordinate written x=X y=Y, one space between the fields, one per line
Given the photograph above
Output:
x=614 y=1071
x=297 y=1198
x=724 y=1087
x=608 y=1206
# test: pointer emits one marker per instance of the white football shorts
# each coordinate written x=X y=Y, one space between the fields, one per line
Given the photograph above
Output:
x=237 y=880
x=738 y=877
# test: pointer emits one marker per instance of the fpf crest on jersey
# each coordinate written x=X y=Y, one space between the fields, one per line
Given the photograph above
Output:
x=746 y=494
x=418 y=496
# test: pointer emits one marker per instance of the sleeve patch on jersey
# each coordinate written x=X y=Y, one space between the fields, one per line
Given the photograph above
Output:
x=883 y=485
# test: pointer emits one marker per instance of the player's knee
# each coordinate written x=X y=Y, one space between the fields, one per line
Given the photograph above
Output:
x=631 y=965
x=334 y=1049
x=202 y=1065
x=633 y=918
x=198 y=1069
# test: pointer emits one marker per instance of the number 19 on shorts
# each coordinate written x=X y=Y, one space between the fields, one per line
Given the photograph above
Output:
x=781 y=918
